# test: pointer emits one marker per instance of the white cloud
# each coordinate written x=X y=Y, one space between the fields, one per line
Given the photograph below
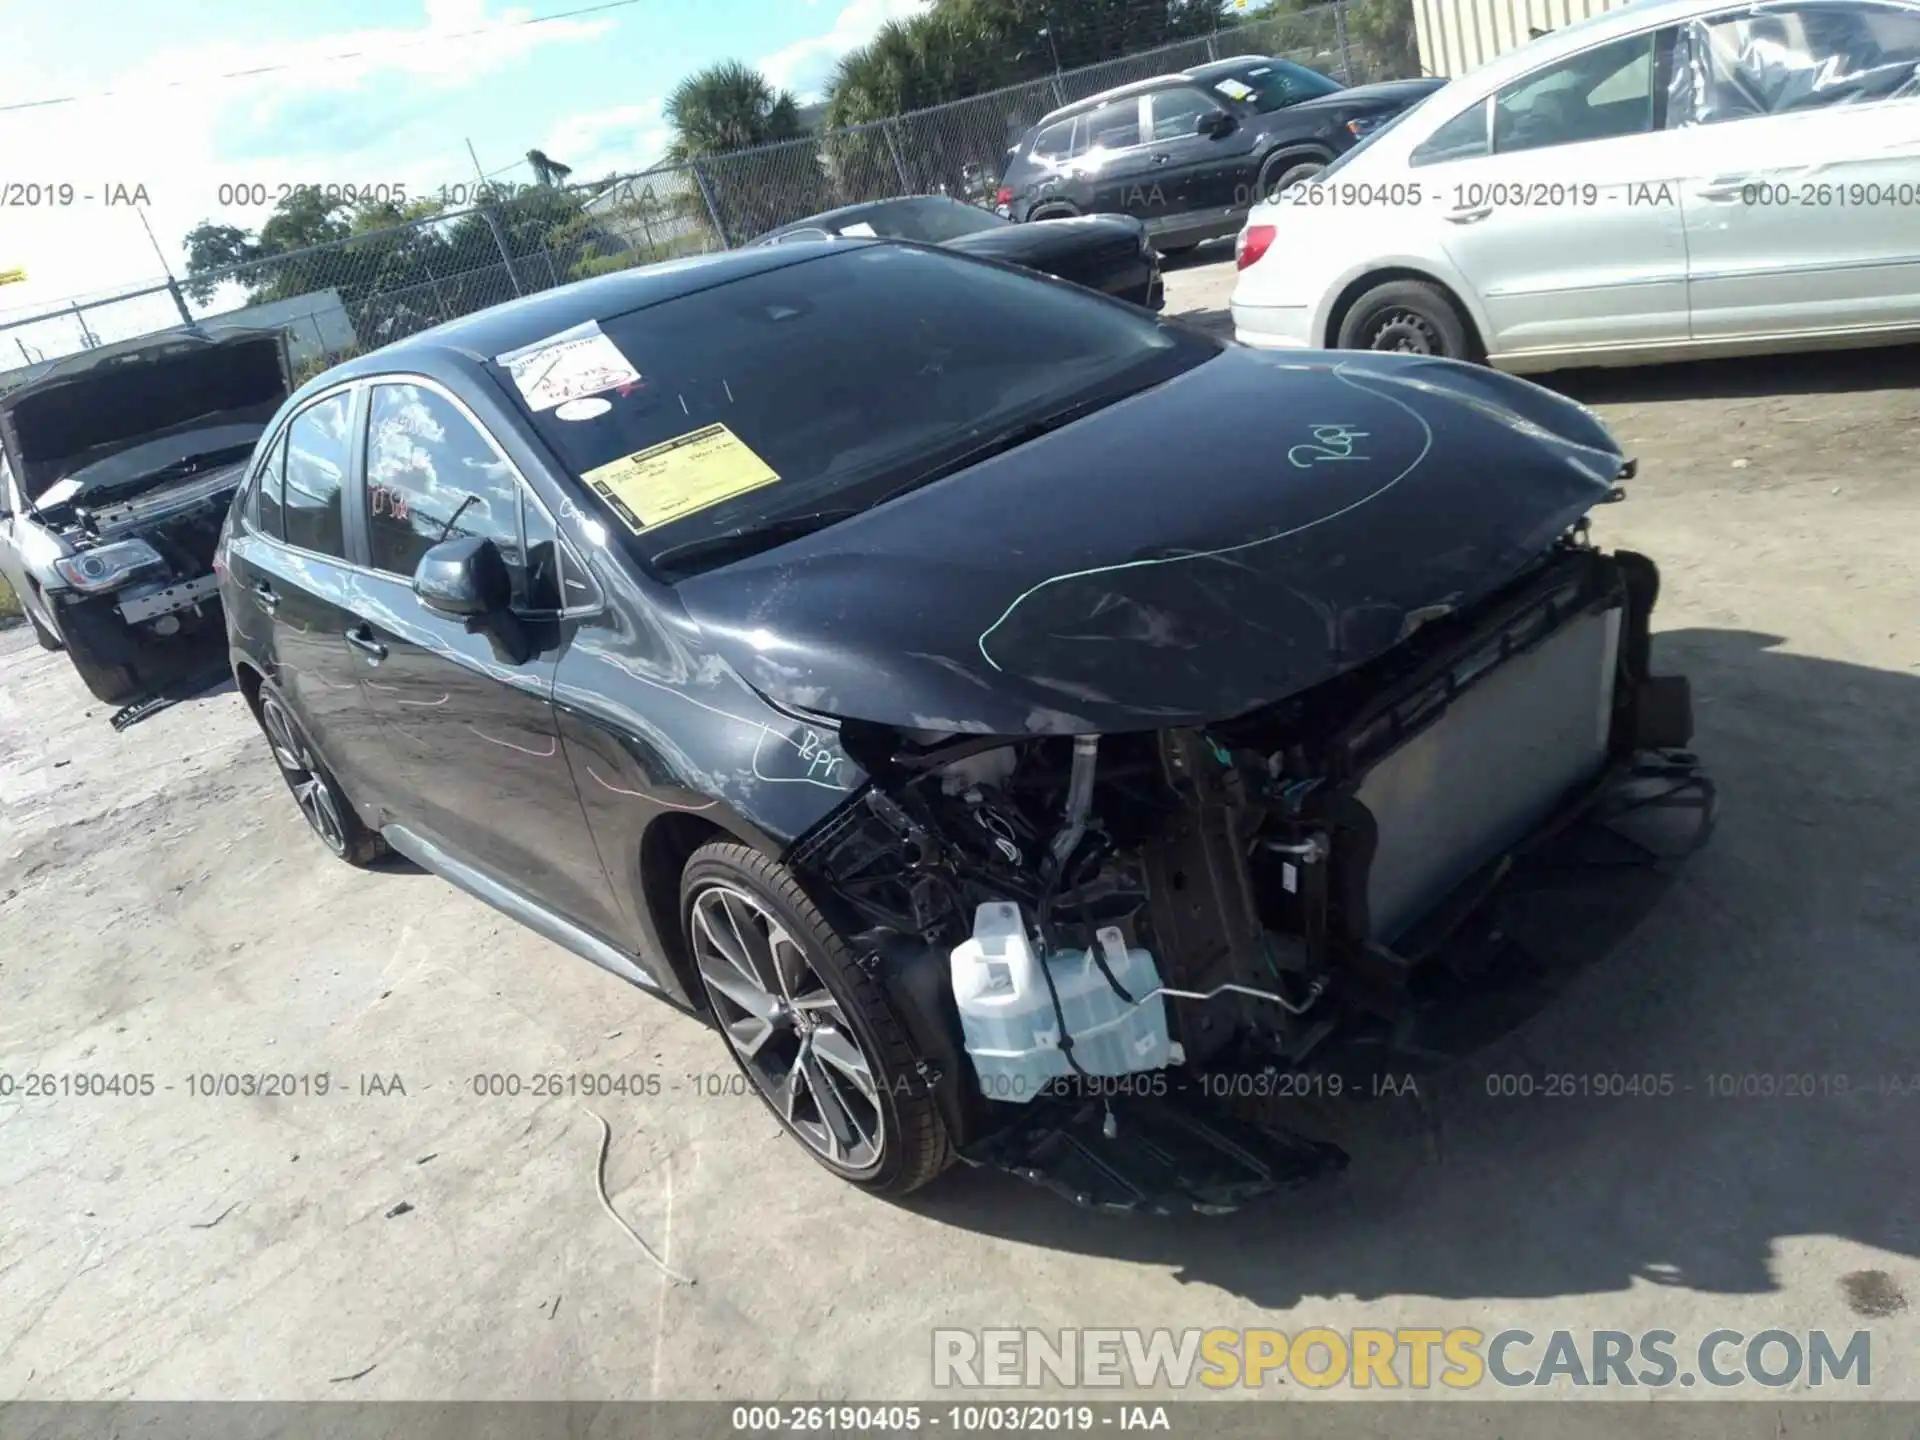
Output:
x=617 y=140
x=314 y=119
x=805 y=66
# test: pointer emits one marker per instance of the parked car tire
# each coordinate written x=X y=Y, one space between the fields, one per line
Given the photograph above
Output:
x=1057 y=211
x=1406 y=315
x=41 y=630
x=1282 y=172
x=801 y=1004
x=328 y=812
x=109 y=684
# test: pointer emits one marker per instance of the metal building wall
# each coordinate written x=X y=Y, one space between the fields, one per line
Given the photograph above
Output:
x=1457 y=35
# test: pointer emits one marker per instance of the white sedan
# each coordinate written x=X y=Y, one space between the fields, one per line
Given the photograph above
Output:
x=1668 y=180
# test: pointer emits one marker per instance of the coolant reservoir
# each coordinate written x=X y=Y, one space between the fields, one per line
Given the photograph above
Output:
x=1007 y=1017
x=1110 y=1035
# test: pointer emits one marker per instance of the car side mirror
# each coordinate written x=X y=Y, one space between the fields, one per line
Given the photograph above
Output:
x=1215 y=123
x=466 y=578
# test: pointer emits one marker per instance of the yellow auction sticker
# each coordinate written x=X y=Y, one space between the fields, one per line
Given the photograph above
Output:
x=681 y=477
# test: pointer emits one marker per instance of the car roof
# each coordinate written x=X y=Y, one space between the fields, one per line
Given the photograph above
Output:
x=1212 y=70
x=474 y=339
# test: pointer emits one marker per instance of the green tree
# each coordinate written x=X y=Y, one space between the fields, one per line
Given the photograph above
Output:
x=744 y=142
x=728 y=107
x=960 y=48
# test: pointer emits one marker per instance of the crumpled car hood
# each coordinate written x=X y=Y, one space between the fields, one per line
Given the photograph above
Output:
x=1236 y=535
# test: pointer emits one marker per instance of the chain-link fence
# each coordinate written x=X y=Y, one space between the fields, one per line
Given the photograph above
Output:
x=366 y=291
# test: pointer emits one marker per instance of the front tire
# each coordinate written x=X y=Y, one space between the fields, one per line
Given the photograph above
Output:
x=810 y=1029
x=1409 y=316
x=326 y=809
x=41 y=630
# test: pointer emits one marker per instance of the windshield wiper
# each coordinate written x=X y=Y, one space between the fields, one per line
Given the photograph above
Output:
x=751 y=539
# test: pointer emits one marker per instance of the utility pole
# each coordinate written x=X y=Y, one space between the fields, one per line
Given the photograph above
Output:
x=499 y=240
x=173 y=286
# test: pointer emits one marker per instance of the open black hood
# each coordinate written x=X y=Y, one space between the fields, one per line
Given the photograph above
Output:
x=1236 y=535
x=89 y=407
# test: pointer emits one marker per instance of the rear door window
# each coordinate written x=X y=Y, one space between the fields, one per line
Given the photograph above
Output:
x=1598 y=94
x=1113 y=126
x=1055 y=142
x=267 y=503
x=318 y=448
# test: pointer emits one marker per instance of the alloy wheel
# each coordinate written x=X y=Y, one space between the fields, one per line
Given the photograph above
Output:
x=1407 y=331
x=296 y=762
x=789 y=1032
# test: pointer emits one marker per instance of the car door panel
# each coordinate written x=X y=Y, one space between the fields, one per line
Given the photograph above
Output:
x=1570 y=231
x=472 y=753
x=474 y=760
x=294 y=593
x=1803 y=207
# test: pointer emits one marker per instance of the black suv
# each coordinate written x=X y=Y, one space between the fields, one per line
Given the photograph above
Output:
x=1191 y=153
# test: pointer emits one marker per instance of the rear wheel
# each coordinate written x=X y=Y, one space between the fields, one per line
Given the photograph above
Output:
x=1410 y=316
x=812 y=1031
x=327 y=811
x=1283 y=172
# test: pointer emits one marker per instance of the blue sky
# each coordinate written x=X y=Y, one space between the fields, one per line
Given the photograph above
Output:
x=587 y=90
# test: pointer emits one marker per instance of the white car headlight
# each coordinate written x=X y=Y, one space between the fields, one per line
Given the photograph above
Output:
x=106 y=566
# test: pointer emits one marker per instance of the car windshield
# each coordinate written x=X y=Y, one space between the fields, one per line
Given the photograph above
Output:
x=1274 y=85
x=828 y=384
x=932 y=218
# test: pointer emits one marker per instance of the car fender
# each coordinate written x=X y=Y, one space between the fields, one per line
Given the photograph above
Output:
x=1434 y=267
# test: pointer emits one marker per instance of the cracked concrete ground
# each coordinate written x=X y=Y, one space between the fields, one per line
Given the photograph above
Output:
x=165 y=914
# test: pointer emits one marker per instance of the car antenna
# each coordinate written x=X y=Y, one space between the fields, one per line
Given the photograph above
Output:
x=447 y=529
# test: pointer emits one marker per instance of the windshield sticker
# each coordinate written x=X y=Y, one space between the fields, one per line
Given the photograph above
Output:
x=575 y=363
x=668 y=482
x=1234 y=89
x=586 y=409
x=858 y=228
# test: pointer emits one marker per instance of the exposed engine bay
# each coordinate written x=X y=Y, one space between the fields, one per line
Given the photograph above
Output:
x=126 y=458
x=159 y=615
x=1268 y=884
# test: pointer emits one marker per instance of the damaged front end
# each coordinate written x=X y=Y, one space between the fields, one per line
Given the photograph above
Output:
x=1086 y=934
x=127 y=458
x=140 y=612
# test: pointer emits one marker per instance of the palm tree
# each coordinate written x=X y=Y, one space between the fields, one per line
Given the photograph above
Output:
x=729 y=106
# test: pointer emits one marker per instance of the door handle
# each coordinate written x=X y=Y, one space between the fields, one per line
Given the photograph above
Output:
x=1724 y=187
x=1161 y=159
x=1470 y=214
x=361 y=639
x=263 y=592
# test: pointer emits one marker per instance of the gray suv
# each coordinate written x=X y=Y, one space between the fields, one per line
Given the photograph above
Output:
x=117 y=466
